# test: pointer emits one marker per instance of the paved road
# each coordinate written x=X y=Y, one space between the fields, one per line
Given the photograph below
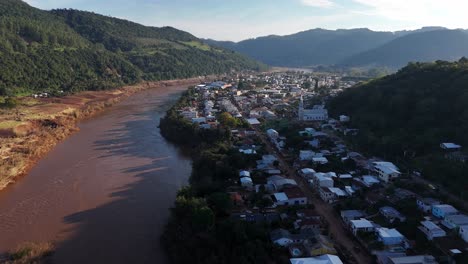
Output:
x=336 y=229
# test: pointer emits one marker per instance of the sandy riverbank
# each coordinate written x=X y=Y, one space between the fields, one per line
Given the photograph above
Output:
x=31 y=130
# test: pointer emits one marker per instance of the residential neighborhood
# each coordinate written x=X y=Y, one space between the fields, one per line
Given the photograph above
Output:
x=328 y=202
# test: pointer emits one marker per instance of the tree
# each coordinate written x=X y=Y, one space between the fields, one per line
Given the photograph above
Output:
x=220 y=202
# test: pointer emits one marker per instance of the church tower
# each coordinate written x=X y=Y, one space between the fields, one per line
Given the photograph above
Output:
x=300 y=113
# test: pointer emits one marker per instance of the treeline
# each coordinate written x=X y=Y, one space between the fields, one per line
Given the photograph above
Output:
x=200 y=229
x=72 y=50
x=405 y=117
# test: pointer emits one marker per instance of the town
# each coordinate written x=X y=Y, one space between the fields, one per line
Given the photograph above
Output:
x=330 y=204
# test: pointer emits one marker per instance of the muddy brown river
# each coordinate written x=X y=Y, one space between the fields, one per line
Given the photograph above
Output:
x=102 y=195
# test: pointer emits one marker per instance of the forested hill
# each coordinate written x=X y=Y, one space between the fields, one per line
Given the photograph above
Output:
x=355 y=47
x=73 y=50
x=414 y=110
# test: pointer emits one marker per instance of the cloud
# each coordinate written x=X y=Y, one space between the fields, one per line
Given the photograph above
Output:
x=318 y=3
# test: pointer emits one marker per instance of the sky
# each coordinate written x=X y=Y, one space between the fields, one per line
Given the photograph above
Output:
x=237 y=20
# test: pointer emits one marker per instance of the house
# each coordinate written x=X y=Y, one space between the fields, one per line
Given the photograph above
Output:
x=253 y=121
x=307 y=224
x=324 y=259
x=463 y=232
x=244 y=174
x=442 y=210
x=290 y=196
x=420 y=259
x=284 y=238
x=281 y=237
x=280 y=182
x=387 y=171
x=295 y=196
x=450 y=146
x=368 y=180
x=269 y=159
x=391 y=214
x=306 y=155
x=246 y=182
x=272 y=134
x=252 y=217
x=348 y=215
x=307 y=172
x=455 y=221
x=426 y=204
x=389 y=237
x=431 y=230
x=320 y=160
x=319 y=245
x=361 y=225
x=344 y=119
x=320 y=180
x=326 y=195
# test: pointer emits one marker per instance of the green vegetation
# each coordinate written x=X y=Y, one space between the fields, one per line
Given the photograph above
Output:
x=72 y=50
x=200 y=230
x=404 y=117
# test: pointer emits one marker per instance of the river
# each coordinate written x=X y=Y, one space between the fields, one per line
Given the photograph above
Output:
x=102 y=195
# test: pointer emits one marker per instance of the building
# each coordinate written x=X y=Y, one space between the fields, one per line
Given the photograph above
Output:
x=421 y=259
x=391 y=214
x=189 y=113
x=389 y=237
x=317 y=113
x=463 y=232
x=320 y=160
x=290 y=196
x=387 y=171
x=426 y=204
x=244 y=174
x=348 y=215
x=455 y=221
x=324 y=259
x=281 y=237
x=450 y=146
x=431 y=230
x=306 y=155
x=272 y=134
x=361 y=225
x=246 y=182
x=344 y=119
x=442 y=210
x=280 y=182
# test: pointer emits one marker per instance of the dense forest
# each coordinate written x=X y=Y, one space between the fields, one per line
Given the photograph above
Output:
x=73 y=50
x=407 y=115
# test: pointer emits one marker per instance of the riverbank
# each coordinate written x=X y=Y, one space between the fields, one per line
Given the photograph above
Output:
x=35 y=126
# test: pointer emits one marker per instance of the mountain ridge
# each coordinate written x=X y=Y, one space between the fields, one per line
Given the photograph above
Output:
x=74 y=50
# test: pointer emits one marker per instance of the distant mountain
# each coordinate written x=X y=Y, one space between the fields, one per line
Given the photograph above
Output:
x=74 y=50
x=355 y=47
x=423 y=46
x=312 y=47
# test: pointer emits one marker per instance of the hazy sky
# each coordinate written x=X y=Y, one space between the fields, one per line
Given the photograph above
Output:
x=242 y=19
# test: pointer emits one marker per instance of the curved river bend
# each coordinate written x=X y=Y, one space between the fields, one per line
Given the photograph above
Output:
x=103 y=194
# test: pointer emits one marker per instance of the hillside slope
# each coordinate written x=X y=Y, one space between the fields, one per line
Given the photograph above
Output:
x=312 y=47
x=407 y=115
x=418 y=47
x=73 y=50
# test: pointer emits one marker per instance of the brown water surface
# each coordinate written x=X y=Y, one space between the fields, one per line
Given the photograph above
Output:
x=103 y=194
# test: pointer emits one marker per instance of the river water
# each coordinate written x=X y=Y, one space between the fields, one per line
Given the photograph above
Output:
x=102 y=195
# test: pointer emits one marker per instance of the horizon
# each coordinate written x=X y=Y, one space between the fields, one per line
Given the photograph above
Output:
x=221 y=21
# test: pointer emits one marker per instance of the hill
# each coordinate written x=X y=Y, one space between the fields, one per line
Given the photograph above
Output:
x=421 y=46
x=405 y=117
x=355 y=47
x=72 y=50
x=312 y=47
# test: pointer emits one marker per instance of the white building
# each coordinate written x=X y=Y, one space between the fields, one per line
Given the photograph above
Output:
x=344 y=119
x=324 y=259
x=246 y=182
x=272 y=134
x=317 y=113
x=387 y=171
x=450 y=146
x=361 y=225
x=431 y=230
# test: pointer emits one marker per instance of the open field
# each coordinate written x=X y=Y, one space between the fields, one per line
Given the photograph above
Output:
x=31 y=130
